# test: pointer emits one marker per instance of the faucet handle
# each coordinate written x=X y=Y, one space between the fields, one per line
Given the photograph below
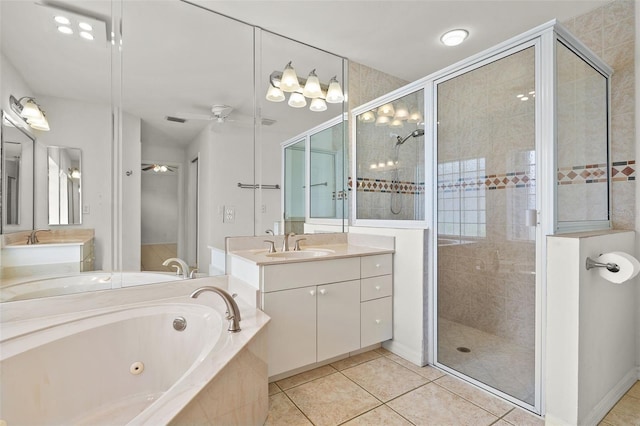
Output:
x=177 y=267
x=272 y=247
x=296 y=247
x=192 y=274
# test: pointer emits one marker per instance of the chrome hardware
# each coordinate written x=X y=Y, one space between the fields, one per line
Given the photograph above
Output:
x=183 y=269
x=233 y=311
x=272 y=246
x=269 y=232
x=285 y=242
x=33 y=237
x=312 y=292
x=179 y=324
x=323 y=291
x=192 y=274
x=296 y=247
x=611 y=267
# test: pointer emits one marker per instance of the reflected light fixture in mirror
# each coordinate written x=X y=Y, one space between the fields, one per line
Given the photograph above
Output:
x=301 y=89
x=393 y=115
x=28 y=109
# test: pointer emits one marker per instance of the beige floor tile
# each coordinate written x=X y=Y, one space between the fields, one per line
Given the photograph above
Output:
x=434 y=405
x=282 y=412
x=305 y=377
x=382 y=415
x=477 y=396
x=383 y=351
x=274 y=389
x=635 y=390
x=384 y=378
x=331 y=400
x=427 y=371
x=625 y=413
x=520 y=417
x=355 y=360
x=501 y=423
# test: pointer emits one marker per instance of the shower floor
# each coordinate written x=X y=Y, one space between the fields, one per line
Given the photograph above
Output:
x=492 y=360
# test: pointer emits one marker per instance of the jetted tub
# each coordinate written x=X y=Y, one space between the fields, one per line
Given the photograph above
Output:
x=129 y=365
x=88 y=281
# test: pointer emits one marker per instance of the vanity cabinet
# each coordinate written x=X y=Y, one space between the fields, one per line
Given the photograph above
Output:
x=326 y=308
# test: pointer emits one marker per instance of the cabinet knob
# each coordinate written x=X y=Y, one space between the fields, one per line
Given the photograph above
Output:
x=378 y=321
x=312 y=292
x=377 y=288
x=377 y=265
x=323 y=291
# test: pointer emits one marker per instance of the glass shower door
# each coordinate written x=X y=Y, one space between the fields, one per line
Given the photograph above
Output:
x=486 y=216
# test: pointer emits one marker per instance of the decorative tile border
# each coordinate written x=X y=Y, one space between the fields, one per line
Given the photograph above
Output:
x=621 y=171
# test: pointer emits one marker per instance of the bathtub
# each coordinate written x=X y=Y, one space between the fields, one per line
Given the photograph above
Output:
x=127 y=365
x=88 y=281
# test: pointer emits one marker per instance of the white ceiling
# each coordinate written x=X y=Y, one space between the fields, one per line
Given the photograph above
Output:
x=179 y=59
x=400 y=37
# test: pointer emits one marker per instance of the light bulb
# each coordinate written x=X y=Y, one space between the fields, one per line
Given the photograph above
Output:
x=334 y=93
x=382 y=121
x=289 y=81
x=415 y=117
x=454 y=37
x=402 y=112
x=65 y=30
x=386 y=110
x=312 y=88
x=63 y=20
x=368 y=117
x=396 y=123
x=85 y=26
x=274 y=94
x=318 y=105
x=86 y=35
x=296 y=100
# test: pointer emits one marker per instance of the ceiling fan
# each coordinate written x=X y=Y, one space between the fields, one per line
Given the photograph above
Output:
x=158 y=168
x=219 y=114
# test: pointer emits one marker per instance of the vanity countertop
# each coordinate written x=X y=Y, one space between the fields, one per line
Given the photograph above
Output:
x=262 y=257
x=49 y=238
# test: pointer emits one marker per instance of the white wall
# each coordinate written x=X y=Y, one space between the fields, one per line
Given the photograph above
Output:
x=86 y=126
x=131 y=210
x=12 y=83
x=591 y=328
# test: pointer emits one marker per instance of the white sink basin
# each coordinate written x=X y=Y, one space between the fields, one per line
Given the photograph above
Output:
x=301 y=254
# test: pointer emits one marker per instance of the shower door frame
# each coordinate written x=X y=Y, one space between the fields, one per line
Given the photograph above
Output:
x=540 y=39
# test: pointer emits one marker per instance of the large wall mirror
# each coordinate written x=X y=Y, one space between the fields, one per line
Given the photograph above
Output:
x=17 y=177
x=186 y=89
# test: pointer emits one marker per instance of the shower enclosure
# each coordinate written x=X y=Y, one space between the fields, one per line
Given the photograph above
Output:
x=518 y=141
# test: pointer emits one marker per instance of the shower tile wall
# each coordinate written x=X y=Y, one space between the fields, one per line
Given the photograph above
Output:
x=609 y=32
x=486 y=173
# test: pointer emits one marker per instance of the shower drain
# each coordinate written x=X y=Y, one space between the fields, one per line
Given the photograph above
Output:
x=463 y=349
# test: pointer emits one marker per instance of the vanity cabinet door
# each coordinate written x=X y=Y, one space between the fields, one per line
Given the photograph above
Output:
x=292 y=329
x=338 y=319
x=377 y=317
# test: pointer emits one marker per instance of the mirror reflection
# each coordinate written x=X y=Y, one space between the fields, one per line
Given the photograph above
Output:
x=17 y=177
x=64 y=196
x=169 y=96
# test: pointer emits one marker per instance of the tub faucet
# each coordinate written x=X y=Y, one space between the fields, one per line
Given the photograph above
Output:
x=233 y=312
x=181 y=269
x=285 y=241
x=33 y=237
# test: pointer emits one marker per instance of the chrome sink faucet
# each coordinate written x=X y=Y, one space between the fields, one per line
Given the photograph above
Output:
x=285 y=241
x=33 y=237
x=181 y=268
x=233 y=312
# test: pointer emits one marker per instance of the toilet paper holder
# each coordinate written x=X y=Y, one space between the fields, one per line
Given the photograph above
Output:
x=611 y=267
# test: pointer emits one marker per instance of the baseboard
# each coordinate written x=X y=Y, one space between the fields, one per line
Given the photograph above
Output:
x=611 y=398
x=403 y=351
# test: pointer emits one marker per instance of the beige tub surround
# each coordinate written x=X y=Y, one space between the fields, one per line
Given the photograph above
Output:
x=227 y=384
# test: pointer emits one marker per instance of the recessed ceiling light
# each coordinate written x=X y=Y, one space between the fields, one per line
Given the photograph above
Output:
x=454 y=37
x=85 y=35
x=65 y=30
x=85 y=26
x=62 y=20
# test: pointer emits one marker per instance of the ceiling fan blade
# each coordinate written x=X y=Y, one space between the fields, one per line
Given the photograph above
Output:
x=149 y=167
x=192 y=116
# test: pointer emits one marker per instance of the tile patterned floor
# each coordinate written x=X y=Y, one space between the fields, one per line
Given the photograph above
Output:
x=380 y=388
x=627 y=411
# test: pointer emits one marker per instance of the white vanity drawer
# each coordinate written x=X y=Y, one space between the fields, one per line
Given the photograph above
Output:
x=376 y=321
x=376 y=287
x=379 y=264
x=303 y=274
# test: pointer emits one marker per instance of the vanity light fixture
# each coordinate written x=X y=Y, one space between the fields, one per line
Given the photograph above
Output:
x=28 y=109
x=302 y=89
x=454 y=37
x=386 y=110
